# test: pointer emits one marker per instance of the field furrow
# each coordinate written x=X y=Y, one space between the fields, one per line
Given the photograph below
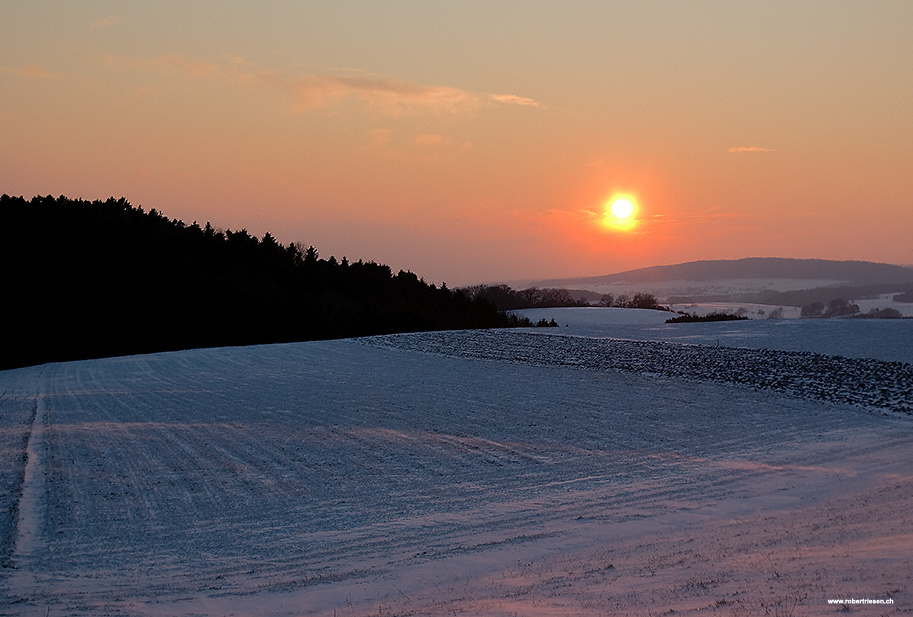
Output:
x=173 y=482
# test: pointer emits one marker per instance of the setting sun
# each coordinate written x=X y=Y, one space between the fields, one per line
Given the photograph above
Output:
x=620 y=213
x=622 y=208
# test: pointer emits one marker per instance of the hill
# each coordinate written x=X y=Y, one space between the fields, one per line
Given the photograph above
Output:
x=788 y=282
x=856 y=272
x=103 y=278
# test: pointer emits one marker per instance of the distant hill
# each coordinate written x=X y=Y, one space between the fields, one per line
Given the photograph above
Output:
x=852 y=272
x=91 y=279
x=765 y=280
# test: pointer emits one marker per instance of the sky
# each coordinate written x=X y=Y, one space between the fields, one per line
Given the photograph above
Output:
x=475 y=141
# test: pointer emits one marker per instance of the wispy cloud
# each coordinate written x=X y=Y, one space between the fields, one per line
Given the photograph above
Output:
x=32 y=71
x=511 y=99
x=741 y=149
x=106 y=22
x=384 y=96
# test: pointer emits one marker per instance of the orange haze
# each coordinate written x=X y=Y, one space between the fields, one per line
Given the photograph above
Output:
x=478 y=141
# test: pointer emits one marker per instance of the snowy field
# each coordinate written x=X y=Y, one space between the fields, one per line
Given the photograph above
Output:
x=541 y=472
x=884 y=339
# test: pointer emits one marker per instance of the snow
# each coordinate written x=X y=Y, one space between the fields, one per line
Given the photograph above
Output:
x=744 y=309
x=884 y=301
x=542 y=471
x=883 y=339
x=597 y=316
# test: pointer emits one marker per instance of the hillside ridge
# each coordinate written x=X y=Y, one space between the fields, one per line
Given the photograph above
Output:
x=851 y=272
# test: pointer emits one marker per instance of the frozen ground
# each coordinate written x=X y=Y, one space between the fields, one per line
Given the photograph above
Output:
x=883 y=339
x=487 y=473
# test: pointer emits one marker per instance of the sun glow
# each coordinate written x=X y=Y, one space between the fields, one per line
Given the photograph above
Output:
x=620 y=213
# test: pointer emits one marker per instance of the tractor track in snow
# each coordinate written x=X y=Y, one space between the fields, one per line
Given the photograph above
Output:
x=28 y=508
x=19 y=470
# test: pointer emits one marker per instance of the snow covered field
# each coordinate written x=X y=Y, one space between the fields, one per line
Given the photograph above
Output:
x=520 y=472
x=884 y=339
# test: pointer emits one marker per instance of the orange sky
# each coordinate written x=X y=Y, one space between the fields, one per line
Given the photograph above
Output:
x=478 y=141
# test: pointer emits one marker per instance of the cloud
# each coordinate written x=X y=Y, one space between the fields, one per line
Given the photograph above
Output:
x=106 y=22
x=33 y=71
x=741 y=149
x=384 y=96
x=511 y=99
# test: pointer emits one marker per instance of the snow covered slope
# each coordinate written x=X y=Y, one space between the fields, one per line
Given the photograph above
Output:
x=490 y=473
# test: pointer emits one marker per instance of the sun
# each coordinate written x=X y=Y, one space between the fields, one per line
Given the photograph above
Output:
x=620 y=213
x=622 y=208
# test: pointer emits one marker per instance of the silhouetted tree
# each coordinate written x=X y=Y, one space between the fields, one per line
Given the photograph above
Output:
x=814 y=309
x=877 y=313
x=839 y=307
x=507 y=299
x=711 y=317
x=102 y=278
x=643 y=301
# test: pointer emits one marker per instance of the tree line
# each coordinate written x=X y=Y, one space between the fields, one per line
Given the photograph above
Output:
x=506 y=298
x=840 y=307
x=87 y=279
x=710 y=317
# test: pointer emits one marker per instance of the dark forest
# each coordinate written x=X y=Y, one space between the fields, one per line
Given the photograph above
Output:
x=104 y=278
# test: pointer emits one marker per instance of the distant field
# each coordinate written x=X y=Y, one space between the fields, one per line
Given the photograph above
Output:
x=883 y=339
x=492 y=473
